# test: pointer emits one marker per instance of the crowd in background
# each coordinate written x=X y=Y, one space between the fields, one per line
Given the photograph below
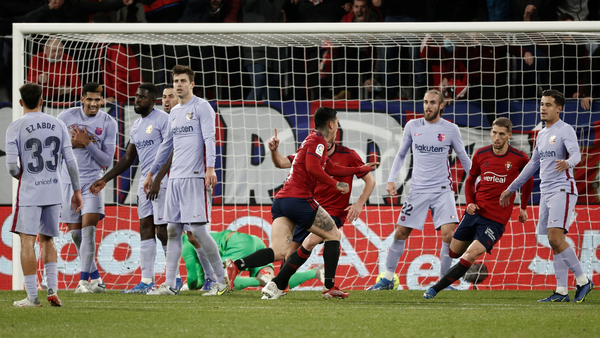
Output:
x=326 y=72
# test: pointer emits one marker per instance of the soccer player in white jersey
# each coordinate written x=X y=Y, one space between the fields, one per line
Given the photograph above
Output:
x=191 y=137
x=431 y=138
x=170 y=100
x=556 y=152
x=37 y=142
x=147 y=132
x=93 y=137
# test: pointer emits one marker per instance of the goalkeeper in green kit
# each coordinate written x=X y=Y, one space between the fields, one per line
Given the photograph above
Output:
x=234 y=245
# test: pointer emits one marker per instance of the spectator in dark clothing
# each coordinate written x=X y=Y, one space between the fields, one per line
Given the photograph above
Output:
x=488 y=74
x=534 y=10
x=211 y=11
x=167 y=11
x=323 y=11
x=262 y=63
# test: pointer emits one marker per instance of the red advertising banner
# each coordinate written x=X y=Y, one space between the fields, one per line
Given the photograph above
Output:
x=521 y=260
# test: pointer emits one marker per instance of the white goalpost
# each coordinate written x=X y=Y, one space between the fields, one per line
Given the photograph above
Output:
x=259 y=77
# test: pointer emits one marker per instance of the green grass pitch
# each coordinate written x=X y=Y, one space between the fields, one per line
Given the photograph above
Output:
x=303 y=314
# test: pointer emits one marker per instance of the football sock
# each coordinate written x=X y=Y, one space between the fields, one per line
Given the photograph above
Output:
x=446 y=260
x=88 y=250
x=254 y=260
x=51 y=275
x=294 y=261
x=561 y=272
x=453 y=274
x=211 y=249
x=147 y=258
x=301 y=277
x=31 y=287
x=394 y=253
x=175 y=231
x=570 y=258
x=203 y=258
x=331 y=256
x=245 y=282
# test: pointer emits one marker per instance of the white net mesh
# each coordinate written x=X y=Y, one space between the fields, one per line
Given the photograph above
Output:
x=258 y=82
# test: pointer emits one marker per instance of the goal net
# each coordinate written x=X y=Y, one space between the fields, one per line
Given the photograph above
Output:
x=264 y=77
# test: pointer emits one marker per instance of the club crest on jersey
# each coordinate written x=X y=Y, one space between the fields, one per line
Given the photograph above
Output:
x=98 y=131
x=320 y=149
x=552 y=139
x=149 y=129
x=190 y=115
x=508 y=165
x=441 y=137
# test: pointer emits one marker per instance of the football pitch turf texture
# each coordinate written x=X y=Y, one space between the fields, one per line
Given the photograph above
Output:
x=303 y=314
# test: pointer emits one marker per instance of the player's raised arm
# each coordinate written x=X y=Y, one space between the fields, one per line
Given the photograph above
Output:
x=278 y=160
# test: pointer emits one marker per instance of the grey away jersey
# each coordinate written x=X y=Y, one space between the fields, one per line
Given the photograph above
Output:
x=91 y=162
x=192 y=137
x=431 y=145
x=558 y=142
x=40 y=141
x=147 y=133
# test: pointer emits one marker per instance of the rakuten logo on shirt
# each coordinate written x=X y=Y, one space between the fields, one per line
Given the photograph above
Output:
x=182 y=129
x=428 y=149
x=493 y=177
x=145 y=143
x=547 y=153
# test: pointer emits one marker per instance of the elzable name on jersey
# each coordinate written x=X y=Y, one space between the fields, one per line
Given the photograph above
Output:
x=547 y=153
x=493 y=177
x=143 y=144
x=42 y=125
x=182 y=129
x=429 y=149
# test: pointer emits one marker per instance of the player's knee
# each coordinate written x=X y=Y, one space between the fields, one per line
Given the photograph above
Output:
x=447 y=237
x=172 y=231
x=555 y=242
x=402 y=233
x=333 y=235
x=161 y=234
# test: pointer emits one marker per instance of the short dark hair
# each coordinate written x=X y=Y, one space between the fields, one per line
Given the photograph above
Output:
x=559 y=98
x=92 y=87
x=503 y=122
x=323 y=115
x=31 y=93
x=179 y=69
x=151 y=88
x=169 y=86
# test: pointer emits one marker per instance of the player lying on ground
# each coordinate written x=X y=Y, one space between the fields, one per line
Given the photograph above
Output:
x=234 y=245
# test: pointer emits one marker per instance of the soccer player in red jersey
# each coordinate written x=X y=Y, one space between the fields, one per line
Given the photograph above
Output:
x=482 y=226
x=295 y=205
x=337 y=205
